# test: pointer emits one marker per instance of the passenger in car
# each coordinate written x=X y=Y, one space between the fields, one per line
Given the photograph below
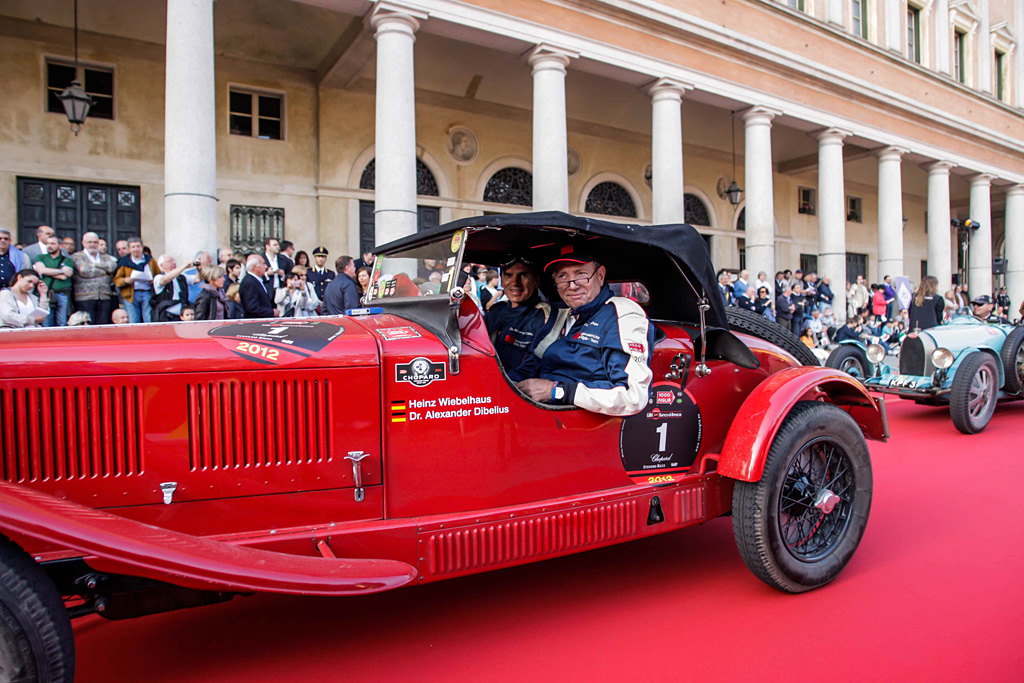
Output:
x=595 y=353
x=514 y=323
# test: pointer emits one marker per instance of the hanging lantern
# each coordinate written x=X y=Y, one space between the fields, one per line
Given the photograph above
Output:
x=734 y=193
x=76 y=104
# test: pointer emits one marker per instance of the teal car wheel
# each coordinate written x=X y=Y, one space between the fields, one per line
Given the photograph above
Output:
x=1013 y=360
x=851 y=360
x=972 y=399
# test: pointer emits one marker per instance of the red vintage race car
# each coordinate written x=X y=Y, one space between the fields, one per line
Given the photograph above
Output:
x=161 y=466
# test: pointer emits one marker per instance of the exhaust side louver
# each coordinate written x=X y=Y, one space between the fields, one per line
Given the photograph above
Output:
x=70 y=433
x=237 y=424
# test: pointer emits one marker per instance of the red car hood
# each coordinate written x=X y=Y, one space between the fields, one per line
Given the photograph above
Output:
x=186 y=347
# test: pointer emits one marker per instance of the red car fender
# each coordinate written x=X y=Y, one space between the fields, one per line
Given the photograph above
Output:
x=759 y=418
x=116 y=544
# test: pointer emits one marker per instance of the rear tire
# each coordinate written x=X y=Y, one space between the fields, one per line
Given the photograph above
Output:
x=748 y=322
x=36 y=641
x=786 y=530
x=973 y=396
x=1012 y=356
x=851 y=360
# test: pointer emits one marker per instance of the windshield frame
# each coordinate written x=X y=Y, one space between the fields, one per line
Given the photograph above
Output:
x=454 y=243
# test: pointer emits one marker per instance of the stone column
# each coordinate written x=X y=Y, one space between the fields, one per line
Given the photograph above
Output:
x=943 y=53
x=667 y=150
x=550 y=144
x=1015 y=246
x=832 y=214
x=890 y=212
x=984 y=51
x=979 y=274
x=894 y=36
x=1018 y=56
x=395 y=139
x=940 y=258
x=834 y=14
x=760 y=207
x=190 y=131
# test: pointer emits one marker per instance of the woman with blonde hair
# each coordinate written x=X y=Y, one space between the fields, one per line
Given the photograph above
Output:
x=927 y=307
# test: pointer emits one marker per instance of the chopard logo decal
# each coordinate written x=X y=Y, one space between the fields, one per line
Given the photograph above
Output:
x=420 y=372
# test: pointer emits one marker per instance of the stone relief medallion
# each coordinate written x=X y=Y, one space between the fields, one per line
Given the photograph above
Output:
x=648 y=174
x=573 y=162
x=462 y=145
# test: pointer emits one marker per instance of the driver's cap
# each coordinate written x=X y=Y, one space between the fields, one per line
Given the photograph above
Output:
x=570 y=253
x=981 y=300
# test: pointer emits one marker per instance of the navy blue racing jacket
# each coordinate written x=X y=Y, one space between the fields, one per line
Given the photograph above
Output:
x=602 y=361
x=514 y=329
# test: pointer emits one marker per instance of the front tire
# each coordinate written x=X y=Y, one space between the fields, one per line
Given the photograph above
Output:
x=973 y=396
x=36 y=641
x=851 y=360
x=799 y=526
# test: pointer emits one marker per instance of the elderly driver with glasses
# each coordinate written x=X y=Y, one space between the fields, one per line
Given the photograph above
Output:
x=595 y=353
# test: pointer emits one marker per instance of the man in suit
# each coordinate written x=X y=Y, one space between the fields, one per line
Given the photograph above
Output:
x=319 y=275
x=256 y=302
x=38 y=248
x=342 y=293
x=784 y=307
x=277 y=265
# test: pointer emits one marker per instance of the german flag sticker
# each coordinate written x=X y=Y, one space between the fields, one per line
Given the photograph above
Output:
x=398 y=411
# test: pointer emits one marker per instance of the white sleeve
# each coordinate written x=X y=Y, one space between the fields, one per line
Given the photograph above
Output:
x=632 y=398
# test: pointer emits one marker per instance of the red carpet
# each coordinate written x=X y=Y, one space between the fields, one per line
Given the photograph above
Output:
x=935 y=593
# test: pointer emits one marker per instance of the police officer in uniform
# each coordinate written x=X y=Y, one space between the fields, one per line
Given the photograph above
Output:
x=319 y=275
x=594 y=354
x=514 y=323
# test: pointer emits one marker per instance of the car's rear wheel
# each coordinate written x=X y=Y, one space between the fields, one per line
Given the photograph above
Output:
x=36 y=641
x=973 y=396
x=799 y=526
x=742 y=320
x=851 y=360
x=1012 y=356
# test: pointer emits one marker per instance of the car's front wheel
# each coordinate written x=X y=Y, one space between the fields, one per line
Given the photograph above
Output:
x=799 y=526
x=851 y=360
x=1013 y=360
x=36 y=641
x=973 y=396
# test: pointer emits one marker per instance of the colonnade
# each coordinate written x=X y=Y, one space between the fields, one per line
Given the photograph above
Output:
x=190 y=164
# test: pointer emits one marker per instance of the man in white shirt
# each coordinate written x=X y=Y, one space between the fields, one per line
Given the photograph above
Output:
x=278 y=265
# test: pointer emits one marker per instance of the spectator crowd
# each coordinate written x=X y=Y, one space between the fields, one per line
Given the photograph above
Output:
x=802 y=303
x=50 y=283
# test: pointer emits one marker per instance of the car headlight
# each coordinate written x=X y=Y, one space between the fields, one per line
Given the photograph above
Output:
x=876 y=353
x=942 y=358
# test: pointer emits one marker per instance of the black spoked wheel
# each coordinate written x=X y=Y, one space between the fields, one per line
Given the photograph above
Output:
x=851 y=360
x=1012 y=356
x=799 y=526
x=36 y=642
x=973 y=396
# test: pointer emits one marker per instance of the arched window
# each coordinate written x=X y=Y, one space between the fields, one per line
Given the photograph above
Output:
x=610 y=199
x=426 y=184
x=510 y=186
x=694 y=211
x=741 y=222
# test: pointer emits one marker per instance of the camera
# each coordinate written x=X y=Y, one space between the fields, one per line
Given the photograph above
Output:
x=195 y=263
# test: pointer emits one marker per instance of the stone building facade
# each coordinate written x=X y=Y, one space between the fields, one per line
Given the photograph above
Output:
x=857 y=128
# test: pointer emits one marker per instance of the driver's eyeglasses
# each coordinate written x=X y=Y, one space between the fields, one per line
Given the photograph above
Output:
x=579 y=281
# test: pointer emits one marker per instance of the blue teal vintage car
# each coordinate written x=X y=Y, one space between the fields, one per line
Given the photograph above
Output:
x=967 y=363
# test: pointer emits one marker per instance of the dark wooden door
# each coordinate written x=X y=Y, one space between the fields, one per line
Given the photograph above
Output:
x=856 y=264
x=426 y=217
x=73 y=208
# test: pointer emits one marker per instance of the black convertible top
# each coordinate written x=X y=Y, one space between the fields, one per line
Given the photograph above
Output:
x=671 y=260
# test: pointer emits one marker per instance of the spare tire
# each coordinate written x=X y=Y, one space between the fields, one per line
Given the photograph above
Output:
x=756 y=325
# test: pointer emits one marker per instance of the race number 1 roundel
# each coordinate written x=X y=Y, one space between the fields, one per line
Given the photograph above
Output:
x=660 y=443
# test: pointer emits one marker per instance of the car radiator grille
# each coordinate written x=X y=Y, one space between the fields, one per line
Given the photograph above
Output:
x=235 y=424
x=70 y=433
x=912 y=356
